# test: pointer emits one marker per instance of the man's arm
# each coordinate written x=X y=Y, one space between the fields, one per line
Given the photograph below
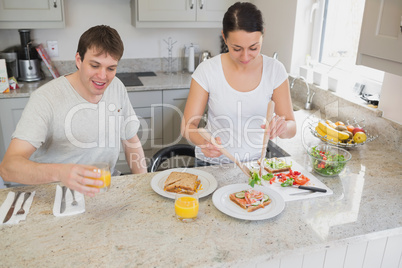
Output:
x=135 y=155
x=17 y=167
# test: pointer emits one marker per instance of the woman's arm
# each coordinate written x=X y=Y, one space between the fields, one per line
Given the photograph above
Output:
x=284 y=124
x=195 y=106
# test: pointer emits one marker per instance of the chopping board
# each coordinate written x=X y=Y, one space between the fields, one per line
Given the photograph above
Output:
x=288 y=193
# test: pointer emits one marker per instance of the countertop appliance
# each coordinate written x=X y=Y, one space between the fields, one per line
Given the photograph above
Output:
x=29 y=64
x=204 y=56
x=131 y=79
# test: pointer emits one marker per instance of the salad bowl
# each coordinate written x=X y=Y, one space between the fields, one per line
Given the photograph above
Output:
x=327 y=160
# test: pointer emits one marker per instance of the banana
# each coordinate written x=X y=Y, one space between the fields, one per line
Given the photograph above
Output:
x=322 y=133
x=330 y=123
x=333 y=132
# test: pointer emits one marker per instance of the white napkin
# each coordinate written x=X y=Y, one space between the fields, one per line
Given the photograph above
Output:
x=70 y=209
x=15 y=219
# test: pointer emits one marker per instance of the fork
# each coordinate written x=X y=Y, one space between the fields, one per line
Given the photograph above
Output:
x=21 y=210
x=74 y=203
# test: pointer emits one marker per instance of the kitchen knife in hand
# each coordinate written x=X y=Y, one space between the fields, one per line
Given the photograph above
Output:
x=63 y=200
x=11 y=210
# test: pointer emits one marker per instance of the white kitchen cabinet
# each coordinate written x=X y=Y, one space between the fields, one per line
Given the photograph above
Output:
x=380 y=44
x=174 y=102
x=179 y=13
x=148 y=108
x=10 y=113
x=17 y=14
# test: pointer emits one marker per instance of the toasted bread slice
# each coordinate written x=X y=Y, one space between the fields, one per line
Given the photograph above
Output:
x=181 y=182
x=272 y=170
x=243 y=204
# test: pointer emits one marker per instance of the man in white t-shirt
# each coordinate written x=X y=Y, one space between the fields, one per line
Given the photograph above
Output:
x=77 y=120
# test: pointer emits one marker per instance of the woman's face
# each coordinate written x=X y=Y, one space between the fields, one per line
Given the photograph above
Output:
x=243 y=46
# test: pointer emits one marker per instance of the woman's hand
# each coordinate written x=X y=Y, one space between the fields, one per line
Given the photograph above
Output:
x=210 y=150
x=277 y=127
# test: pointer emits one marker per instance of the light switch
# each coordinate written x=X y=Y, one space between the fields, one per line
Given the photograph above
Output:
x=52 y=49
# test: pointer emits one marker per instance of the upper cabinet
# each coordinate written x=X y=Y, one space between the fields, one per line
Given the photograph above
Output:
x=38 y=14
x=380 y=45
x=179 y=13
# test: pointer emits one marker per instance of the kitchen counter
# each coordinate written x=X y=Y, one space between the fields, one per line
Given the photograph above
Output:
x=158 y=82
x=131 y=225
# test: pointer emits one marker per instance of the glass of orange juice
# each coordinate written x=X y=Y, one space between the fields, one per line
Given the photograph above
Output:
x=186 y=207
x=104 y=170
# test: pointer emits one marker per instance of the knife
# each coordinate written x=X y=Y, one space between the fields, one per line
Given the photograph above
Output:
x=311 y=188
x=11 y=210
x=63 y=200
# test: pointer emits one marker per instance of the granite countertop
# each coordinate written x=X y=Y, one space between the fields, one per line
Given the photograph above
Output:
x=131 y=225
x=161 y=81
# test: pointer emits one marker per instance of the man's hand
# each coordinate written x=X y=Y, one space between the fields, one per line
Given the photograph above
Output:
x=79 y=177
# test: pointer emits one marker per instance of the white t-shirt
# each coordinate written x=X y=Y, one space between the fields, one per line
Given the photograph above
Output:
x=65 y=128
x=236 y=117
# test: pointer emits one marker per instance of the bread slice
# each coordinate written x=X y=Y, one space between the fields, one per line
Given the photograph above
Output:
x=181 y=182
x=243 y=204
x=272 y=170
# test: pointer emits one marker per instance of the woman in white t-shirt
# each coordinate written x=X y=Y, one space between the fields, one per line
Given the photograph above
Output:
x=237 y=87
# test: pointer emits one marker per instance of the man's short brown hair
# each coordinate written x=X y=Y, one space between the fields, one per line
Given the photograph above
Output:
x=104 y=39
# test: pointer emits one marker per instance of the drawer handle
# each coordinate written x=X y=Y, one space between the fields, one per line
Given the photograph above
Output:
x=54 y=4
x=191 y=4
x=201 y=4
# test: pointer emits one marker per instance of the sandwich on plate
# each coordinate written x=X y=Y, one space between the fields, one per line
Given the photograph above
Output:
x=181 y=182
x=250 y=199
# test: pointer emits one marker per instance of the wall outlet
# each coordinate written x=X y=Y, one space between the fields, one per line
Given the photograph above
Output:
x=52 y=49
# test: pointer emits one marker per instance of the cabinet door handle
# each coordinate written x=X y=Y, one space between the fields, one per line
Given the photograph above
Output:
x=191 y=4
x=201 y=4
x=55 y=3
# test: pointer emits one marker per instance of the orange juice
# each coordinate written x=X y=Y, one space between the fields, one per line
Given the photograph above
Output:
x=186 y=207
x=106 y=178
x=103 y=169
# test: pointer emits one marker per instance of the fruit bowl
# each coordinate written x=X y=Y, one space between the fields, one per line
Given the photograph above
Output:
x=358 y=135
x=327 y=160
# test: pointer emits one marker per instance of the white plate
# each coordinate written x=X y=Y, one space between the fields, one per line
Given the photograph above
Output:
x=208 y=182
x=222 y=202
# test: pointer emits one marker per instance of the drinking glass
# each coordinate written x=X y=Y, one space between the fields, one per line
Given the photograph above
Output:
x=104 y=170
x=186 y=207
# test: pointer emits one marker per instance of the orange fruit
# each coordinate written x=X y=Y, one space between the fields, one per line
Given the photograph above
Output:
x=350 y=128
x=339 y=123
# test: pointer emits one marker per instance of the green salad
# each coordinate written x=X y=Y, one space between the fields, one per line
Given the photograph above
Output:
x=256 y=179
x=327 y=163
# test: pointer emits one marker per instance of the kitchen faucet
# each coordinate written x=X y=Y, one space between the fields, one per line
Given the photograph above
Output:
x=310 y=94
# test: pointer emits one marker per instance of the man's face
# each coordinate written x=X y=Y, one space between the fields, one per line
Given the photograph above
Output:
x=96 y=72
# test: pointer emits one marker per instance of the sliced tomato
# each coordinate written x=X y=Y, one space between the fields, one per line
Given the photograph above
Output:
x=301 y=180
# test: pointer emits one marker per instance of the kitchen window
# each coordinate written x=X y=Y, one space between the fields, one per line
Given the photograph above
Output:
x=335 y=42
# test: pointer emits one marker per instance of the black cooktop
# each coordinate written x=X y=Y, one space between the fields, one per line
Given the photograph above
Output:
x=131 y=79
